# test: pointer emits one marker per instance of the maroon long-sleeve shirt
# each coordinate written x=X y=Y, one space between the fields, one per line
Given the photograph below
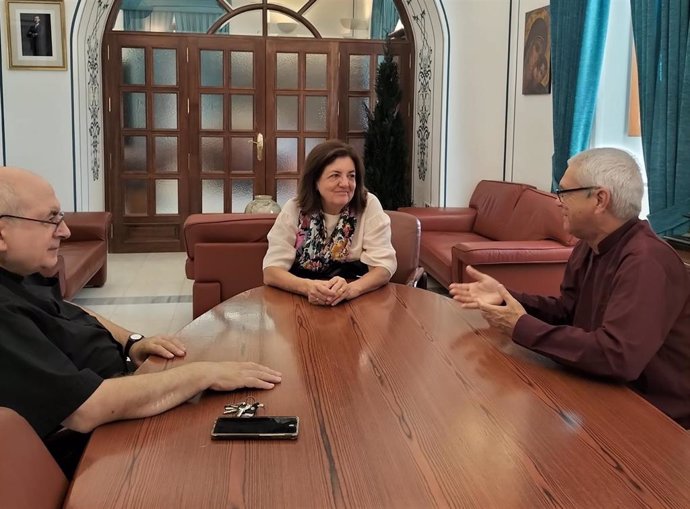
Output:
x=623 y=313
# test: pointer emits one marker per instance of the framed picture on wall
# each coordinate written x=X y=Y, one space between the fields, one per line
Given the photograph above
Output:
x=36 y=34
x=536 y=65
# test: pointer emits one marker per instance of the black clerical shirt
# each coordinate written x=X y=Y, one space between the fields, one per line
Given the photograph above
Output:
x=53 y=355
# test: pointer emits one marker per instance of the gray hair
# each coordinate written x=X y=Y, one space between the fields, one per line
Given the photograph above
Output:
x=615 y=170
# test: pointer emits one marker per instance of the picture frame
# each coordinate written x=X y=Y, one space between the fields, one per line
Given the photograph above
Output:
x=36 y=35
x=536 y=63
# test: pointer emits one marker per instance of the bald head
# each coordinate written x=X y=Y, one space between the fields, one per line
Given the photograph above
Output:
x=16 y=188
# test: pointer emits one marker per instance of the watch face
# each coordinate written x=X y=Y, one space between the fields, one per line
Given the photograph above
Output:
x=135 y=337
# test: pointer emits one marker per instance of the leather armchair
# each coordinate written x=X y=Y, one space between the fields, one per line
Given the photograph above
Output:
x=225 y=254
x=513 y=232
x=29 y=476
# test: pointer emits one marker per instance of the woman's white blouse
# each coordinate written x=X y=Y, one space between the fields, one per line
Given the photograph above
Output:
x=371 y=243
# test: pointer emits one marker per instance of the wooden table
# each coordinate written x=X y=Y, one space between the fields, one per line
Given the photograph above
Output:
x=405 y=400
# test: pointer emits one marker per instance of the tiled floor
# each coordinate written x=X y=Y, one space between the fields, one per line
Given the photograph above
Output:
x=145 y=292
x=149 y=293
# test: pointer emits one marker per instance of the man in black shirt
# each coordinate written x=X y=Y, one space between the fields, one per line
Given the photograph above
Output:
x=59 y=364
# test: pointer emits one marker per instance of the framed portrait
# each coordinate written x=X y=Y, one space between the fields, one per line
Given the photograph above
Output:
x=36 y=35
x=536 y=64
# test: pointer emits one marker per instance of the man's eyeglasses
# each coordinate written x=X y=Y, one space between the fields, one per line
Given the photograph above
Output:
x=561 y=192
x=56 y=221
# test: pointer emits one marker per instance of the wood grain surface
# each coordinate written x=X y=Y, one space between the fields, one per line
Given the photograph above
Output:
x=404 y=400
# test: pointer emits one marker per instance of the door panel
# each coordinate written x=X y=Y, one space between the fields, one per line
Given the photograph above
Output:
x=301 y=108
x=146 y=157
x=227 y=117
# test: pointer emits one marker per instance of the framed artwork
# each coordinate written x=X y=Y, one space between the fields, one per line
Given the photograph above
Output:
x=36 y=35
x=536 y=64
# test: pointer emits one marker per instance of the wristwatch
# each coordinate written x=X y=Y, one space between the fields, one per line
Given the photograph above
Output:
x=133 y=338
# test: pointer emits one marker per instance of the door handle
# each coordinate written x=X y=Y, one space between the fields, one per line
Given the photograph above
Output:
x=259 y=146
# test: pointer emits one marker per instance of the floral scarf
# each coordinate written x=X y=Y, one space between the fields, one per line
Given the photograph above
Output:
x=315 y=250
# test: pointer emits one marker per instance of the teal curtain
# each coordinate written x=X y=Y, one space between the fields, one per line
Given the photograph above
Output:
x=384 y=17
x=578 y=38
x=660 y=28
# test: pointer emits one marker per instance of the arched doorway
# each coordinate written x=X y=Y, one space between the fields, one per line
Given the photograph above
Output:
x=209 y=105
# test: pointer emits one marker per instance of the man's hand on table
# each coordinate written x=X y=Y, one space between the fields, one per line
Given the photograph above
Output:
x=161 y=345
x=228 y=376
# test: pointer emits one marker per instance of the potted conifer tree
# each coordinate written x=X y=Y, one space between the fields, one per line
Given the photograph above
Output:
x=385 y=146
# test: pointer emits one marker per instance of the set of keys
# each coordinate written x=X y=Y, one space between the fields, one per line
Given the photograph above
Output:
x=243 y=409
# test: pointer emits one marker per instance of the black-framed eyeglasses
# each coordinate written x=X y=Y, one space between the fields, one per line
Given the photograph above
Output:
x=561 y=192
x=56 y=221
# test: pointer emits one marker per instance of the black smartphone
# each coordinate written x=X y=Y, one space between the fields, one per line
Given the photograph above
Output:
x=229 y=428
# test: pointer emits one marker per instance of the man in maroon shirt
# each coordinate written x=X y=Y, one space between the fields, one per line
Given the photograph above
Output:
x=624 y=308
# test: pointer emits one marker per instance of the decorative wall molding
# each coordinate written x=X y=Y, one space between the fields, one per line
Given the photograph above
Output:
x=95 y=98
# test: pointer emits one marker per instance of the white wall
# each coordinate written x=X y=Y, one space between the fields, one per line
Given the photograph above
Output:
x=530 y=132
x=476 y=96
x=38 y=125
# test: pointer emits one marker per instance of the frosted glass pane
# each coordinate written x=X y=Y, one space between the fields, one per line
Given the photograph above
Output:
x=165 y=111
x=286 y=155
x=310 y=143
x=241 y=154
x=242 y=112
x=316 y=71
x=212 y=196
x=164 y=67
x=166 y=196
x=241 y=69
x=211 y=68
x=359 y=72
x=166 y=154
x=133 y=66
x=247 y=23
x=134 y=154
x=280 y=25
x=212 y=155
x=285 y=189
x=357 y=114
x=315 y=112
x=134 y=110
x=286 y=70
x=211 y=111
x=286 y=113
x=135 y=198
x=242 y=194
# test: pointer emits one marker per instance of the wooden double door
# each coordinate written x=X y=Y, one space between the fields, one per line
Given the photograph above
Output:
x=205 y=123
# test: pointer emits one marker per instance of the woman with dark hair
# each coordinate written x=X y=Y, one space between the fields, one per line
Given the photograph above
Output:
x=333 y=242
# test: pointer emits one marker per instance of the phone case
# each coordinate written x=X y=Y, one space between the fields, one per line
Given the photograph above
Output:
x=290 y=423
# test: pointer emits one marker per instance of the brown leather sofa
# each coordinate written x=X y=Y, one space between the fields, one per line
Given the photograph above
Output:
x=225 y=254
x=83 y=258
x=513 y=232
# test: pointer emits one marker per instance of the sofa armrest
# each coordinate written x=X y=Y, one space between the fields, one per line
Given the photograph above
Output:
x=88 y=225
x=443 y=219
x=530 y=266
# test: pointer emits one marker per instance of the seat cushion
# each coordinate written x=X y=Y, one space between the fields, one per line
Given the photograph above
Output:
x=435 y=253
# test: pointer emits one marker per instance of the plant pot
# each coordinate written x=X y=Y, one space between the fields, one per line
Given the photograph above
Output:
x=262 y=204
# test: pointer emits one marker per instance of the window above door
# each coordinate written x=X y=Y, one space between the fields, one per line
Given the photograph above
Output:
x=333 y=19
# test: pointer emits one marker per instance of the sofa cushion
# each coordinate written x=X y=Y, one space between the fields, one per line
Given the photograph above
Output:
x=537 y=216
x=435 y=252
x=495 y=202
